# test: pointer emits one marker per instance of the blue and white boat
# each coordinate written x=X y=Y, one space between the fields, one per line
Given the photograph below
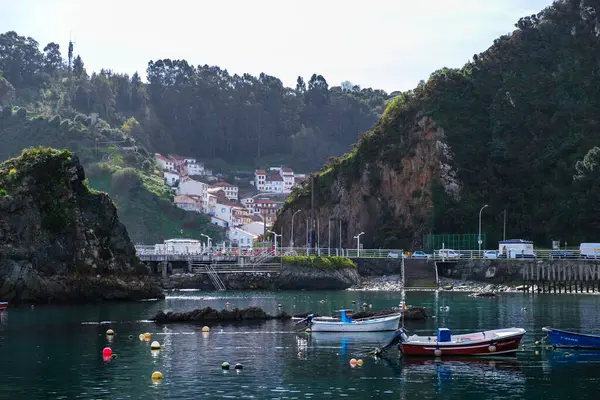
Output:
x=346 y=324
x=572 y=340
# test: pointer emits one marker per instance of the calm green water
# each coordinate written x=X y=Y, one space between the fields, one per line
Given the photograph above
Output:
x=54 y=352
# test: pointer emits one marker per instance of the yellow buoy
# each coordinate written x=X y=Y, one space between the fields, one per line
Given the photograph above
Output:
x=157 y=375
x=110 y=332
x=147 y=336
x=141 y=336
x=359 y=362
x=155 y=345
x=205 y=329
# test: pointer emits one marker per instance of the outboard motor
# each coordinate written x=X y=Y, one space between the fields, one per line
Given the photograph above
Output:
x=399 y=336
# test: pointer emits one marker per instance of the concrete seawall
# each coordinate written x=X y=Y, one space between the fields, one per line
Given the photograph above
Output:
x=519 y=271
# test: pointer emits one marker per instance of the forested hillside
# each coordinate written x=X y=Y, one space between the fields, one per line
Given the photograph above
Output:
x=200 y=111
x=517 y=128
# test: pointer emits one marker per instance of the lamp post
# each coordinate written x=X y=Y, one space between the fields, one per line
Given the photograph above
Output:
x=208 y=239
x=292 y=237
x=479 y=236
x=329 y=236
x=318 y=238
x=357 y=237
x=275 y=236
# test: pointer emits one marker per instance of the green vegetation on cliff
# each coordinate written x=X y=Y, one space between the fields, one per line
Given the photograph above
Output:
x=122 y=170
x=521 y=123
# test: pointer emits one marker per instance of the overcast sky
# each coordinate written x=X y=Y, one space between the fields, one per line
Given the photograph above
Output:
x=385 y=44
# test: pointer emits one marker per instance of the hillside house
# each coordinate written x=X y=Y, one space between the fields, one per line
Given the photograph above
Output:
x=171 y=178
x=241 y=238
x=231 y=191
x=219 y=222
x=164 y=163
x=260 y=177
x=188 y=202
x=256 y=228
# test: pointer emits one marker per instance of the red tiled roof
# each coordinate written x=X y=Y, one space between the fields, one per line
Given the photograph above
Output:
x=260 y=172
x=160 y=157
x=223 y=184
x=274 y=177
x=287 y=170
x=264 y=201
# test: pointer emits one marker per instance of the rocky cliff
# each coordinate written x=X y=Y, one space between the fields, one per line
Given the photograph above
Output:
x=516 y=128
x=60 y=241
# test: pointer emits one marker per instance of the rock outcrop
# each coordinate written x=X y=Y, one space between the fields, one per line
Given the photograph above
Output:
x=210 y=314
x=59 y=241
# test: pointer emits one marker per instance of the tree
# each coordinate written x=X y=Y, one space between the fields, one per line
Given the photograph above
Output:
x=78 y=69
x=53 y=60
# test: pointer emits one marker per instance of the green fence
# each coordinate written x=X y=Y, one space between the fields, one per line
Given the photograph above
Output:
x=455 y=241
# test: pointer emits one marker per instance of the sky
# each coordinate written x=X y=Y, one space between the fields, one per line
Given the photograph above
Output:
x=383 y=44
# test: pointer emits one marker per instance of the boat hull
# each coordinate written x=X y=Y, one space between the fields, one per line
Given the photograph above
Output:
x=3 y=305
x=373 y=325
x=572 y=340
x=507 y=345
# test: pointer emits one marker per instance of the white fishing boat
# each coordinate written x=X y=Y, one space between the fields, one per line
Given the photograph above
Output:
x=345 y=323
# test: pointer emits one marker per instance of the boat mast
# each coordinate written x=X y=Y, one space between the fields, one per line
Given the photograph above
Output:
x=403 y=303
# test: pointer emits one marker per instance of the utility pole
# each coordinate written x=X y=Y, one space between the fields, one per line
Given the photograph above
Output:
x=504 y=230
x=312 y=209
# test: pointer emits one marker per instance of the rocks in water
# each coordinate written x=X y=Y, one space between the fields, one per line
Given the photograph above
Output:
x=479 y=289
x=59 y=241
x=382 y=283
x=210 y=314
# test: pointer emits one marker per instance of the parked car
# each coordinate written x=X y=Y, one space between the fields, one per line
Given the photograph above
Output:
x=392 y=254
x=449 y=253
x=421 y=254
x=490 y=254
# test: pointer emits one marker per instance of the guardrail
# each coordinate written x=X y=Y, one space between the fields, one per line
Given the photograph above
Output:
x=259 y=255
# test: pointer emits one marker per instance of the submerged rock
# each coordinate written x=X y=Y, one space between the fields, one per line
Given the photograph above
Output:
x=210 y=314
x=60 y=241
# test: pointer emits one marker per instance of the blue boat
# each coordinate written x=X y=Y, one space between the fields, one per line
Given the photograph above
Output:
x=572 y=340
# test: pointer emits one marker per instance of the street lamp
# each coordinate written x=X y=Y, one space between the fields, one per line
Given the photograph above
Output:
x=479 y=236
x=207 y=237
x=357 y=237
x=275 y=235
x=292 y=238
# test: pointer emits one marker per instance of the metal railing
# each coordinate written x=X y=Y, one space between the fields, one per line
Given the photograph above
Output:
x=261 y=255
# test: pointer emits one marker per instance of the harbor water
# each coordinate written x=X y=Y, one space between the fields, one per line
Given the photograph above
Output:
x=55 y=352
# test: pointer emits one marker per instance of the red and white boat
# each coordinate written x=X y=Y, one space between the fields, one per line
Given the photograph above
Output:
x=487 y=343
x=3 y=305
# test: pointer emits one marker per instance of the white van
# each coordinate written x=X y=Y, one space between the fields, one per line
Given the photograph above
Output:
x=449 y=253
x=589 y=250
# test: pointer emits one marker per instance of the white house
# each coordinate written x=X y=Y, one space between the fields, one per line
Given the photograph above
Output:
x=190 y=186
x=256 y=228
x=219 y=222
x=231 y=191
x=212 y=203
x=171 y=177
x=188 y=202
x=274 y=182
x=288 y=179
x=164 y=163
x=192 y=167
x=240 y=237
x=260 y=177
x=223 y=211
